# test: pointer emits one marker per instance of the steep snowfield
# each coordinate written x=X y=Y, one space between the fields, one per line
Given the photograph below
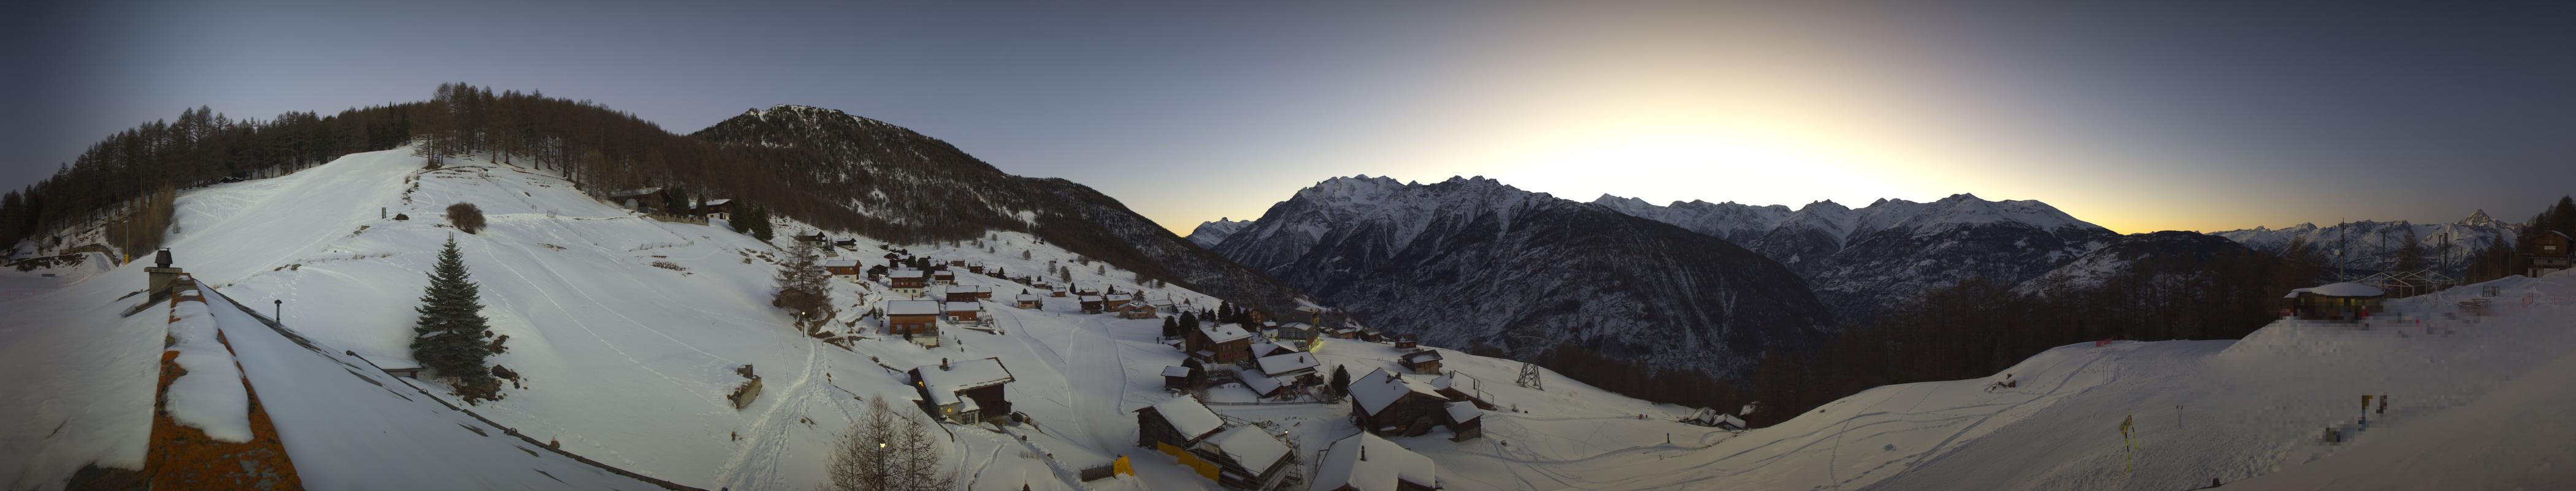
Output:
x=629 y=364
x=2474 y=408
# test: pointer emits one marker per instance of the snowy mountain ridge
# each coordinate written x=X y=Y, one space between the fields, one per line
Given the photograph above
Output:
x=1864 y=260
x=2374 y=246
x=1209 y=234
x=1471 y=260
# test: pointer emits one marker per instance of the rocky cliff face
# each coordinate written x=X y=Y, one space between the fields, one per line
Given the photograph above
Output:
x=1473 y=261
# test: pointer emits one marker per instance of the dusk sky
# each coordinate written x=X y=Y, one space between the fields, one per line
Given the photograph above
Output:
x=2160 y=116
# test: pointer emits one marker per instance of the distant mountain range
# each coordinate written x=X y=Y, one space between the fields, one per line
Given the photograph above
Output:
x=2375 y=246
x=1863 y=261
x=1471 y=261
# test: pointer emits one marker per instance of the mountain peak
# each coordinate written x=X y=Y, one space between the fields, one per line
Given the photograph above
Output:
x=2479 y=219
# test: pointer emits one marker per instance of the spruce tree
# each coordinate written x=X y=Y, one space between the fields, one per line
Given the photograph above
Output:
x=448 y=338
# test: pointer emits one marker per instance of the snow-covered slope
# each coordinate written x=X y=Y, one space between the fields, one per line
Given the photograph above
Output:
x=2374 y=246
x=2472 y=408
x=1471 y=260
x=1210 y=234
x=626 y=333
x=1862 y=261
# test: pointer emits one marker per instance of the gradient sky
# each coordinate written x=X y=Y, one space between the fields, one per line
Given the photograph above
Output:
x=2169 y=115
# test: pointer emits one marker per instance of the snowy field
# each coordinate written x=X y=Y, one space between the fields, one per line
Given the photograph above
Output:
x=627 y=332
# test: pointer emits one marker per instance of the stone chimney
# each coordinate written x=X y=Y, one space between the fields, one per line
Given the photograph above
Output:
x=161 y=272
x=943 y=363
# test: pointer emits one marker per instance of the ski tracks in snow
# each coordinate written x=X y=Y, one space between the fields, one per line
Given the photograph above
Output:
x=755 y=462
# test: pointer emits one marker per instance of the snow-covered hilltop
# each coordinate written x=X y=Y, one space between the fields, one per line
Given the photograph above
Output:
x=2375 y=246
x=1471 y=260
x=2472 y=403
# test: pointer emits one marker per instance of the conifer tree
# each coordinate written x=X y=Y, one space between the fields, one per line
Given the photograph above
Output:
x=449 y=337
x=1171 y=328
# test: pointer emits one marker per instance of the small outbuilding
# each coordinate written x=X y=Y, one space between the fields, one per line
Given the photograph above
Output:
x=841 y=267
x=1177 y=377
x=1091 y=304
x=1028 y=301
x=1425 y=361
x=1389 y=404
x=2335 y=302
x=2549 y=254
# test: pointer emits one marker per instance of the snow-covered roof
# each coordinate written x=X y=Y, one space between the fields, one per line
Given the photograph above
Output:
x=962 y=376
x=1176 y=371
x=718 y=201
x=840 y=263
x=2346 y=289
x=1251 y=446
x=634 y=192
x=1421 y=356
x=1186 y=414
x=1266 y=347
x=1219 y=333
x=1387 y=463
x=1463 y=411
x=1260 y=384
x=1027 y=297
x=1091 y=298
x=1121 y=296
x=912 y=307
x=1282 y=364
x=965 y=307
x=904 y=273
x=1380 y=388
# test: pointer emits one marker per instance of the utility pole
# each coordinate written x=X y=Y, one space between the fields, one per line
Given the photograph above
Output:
x=277 y=312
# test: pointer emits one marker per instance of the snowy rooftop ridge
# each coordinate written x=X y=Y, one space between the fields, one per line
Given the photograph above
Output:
x=1186 y=414
x=1367 y=463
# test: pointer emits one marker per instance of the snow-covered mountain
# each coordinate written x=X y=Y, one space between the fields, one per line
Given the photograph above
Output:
x=1209 y=234
x=2159 y=253
x=2375 y=246
x=1862 y=261
x=913 y=188
x=1474 y=261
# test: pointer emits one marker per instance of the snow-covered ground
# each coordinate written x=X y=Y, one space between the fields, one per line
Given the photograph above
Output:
x=2472 y=408
x=629 y=363
x=627 y=331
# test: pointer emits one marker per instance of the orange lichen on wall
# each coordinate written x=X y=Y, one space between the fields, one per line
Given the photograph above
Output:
x=182 y=457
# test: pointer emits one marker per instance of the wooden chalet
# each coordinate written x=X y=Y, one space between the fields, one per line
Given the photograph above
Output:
x=965 y=313
x=975 y=267
x=1270 y=348
x=2549 y=254
x=1246 y=456
x=841 y=267
x=907 y=281
x=1218 y=343
x=1388 y=404
x=1028 y=301
x=943 y=277
x=915 y=320
x=966 y=293
x=1137 y=311
x=1114 y=301
x=1406 y=341
x=1425 y=361
x=2335 y=302
x=1365 y=462
x=1465 y=420
x=965 y=392
x=1175 y=425
x=1293 y=330
x=1091 y=304
x=1056 y=292
x=1288 y=366
x=716 y=206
